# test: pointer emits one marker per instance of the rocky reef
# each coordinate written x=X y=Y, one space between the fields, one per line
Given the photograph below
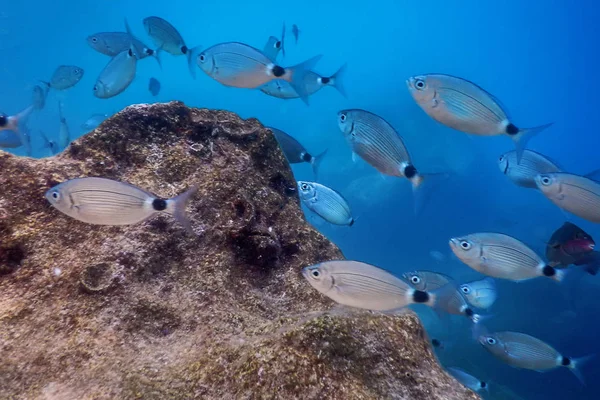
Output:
x=152 y=312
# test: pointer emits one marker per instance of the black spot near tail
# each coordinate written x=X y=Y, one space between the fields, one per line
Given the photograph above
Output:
x=410 y=171
x=184 y=49
x=436 y=343
x=549 y=271
x=483 y=385
x=159 y=204
x=307 y=157
x=512 y=129
x=420 y=296
x=278 y=71
x=566 y=361
x=469 y=312
x=352 y=222
x=325 y=80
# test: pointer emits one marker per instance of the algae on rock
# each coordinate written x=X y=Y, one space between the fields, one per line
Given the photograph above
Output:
x=150 y=312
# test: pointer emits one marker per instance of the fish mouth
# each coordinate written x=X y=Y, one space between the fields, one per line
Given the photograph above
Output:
x=410 y=82
x=453 y=242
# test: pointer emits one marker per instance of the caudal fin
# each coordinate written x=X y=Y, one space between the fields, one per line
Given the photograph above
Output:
x=424 y=185
x=283 y=40
x=191 y=59
x=177 y=205
x=576 y=364
x=524 y=136
x=156 y=56
x=297 y=73
x=316 y=163
x=337 y=80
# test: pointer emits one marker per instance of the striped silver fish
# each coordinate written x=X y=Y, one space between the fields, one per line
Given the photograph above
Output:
x=523 y=173
x=523 y=351
x=239 y=65
x=117 y=75
x=65 y=77
x=466 y=107
x=295 y=152
x=313 y=82
x=365 y=286
x=274 y=46
x=576 y=194
x=468 y=380
x=103 y=201
x=426 y=280
x=326 y=203
x=501 y=256
x=64 y=137
x=481 y=294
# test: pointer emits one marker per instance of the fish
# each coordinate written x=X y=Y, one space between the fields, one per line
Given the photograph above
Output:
x=426 y=280
x=25 y=137
x=523 y=173
x=365 y=286
x=49 y=144
x=466 y=107
x=116 y=76
x=93 y=121
x=374 y=140
x=326 y=203
x=39 y=96
x=524 y=351
x=576 y=194
x=274 y=46
x=571 y=245
x=154 y=86
x=240 y=65
x=480 y=294
x=102 y=201
x=313 y=82
x=167 y=38
x=468 y=380
x=65 y=77
x=9 y=139
x=295 y=153
x=295 y=32
x=502 y=256
x=11 y=122
x=64 y=136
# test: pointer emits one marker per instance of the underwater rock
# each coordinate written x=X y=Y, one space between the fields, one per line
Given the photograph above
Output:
x=150 y=312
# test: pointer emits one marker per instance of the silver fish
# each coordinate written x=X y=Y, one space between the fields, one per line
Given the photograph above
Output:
x=326 y=203
x=468 y=380
x=25 y=136
x=481 y=294
x=154 y=86
x=464 y=106
x=242 y=66
x=116 y=76
x=167 y=38
x=295 y=32
x=451 y=300
x=93 y=122
x=295 y=153
x=523 y=351
x=65 y=77
x=11 y=122
x=39 y=96
x=313 y=82
x=64 y=136
x=103 y=201
x=576 y=194
x=523 y=173
x=501 y=256
x=427 y=280
x=9 y=139
x=365 y=286
x=49 y=144
x=274 y=46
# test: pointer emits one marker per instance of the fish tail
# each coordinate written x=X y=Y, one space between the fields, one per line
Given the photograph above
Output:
x=524 y=136
x=576 y=364
x=156 y=56
x=191 y=58
x=177 y=205
x=316 y=163
x=337 y=80
x=296 y=74
x=423 y=187
x=283 y=40
x=46 y=83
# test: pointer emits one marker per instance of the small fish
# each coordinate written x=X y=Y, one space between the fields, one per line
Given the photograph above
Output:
x=326 y=203
x=426 y=280
x=523 y=351
x=452 y=301
x=295 y=32
x=577 y=194
x=154 y=86
x=464 y=106
x=49 y=144
x=116 y=76
x=313 y=82
x=64 y=136
x=502 y=256
x=365 y=286
x=65 y=77
x=242 y=66
x=468 y=380
x=374 y=140
x=39 y=96
x=480 y=294
x=93 y=122
x=524 y=172
x=295 y=153
x=103 y=201
x=167 y=38
x=274 y=46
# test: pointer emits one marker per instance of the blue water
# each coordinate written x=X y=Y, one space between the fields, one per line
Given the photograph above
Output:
x=538 y=57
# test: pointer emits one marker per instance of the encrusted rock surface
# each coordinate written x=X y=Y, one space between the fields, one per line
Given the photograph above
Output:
x=150 y=312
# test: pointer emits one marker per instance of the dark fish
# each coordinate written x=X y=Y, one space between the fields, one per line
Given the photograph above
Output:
x=65 y=77
x=295 y=152
x=154 y=86
x=571 y=245
x=39 y=96
x=295 y=32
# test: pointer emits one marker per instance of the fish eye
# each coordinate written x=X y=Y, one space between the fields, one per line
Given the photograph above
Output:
x=501 y=158
x=546 y=181
x=278 y=44
x=76 y=71
x=465 y=289
x=3 y=119
x=94 y=40
x=304 y=186
x=415 y=279
x=315 y=273
x=56 y=195
x=95 y=88
x=202 y=57
x=465 y=245
x=420 y=84
x=491 y=341
x=343 y=117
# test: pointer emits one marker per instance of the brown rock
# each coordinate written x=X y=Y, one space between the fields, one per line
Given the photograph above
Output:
x=149 y=312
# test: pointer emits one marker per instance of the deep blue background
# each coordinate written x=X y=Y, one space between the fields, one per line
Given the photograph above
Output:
x=539 y=57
